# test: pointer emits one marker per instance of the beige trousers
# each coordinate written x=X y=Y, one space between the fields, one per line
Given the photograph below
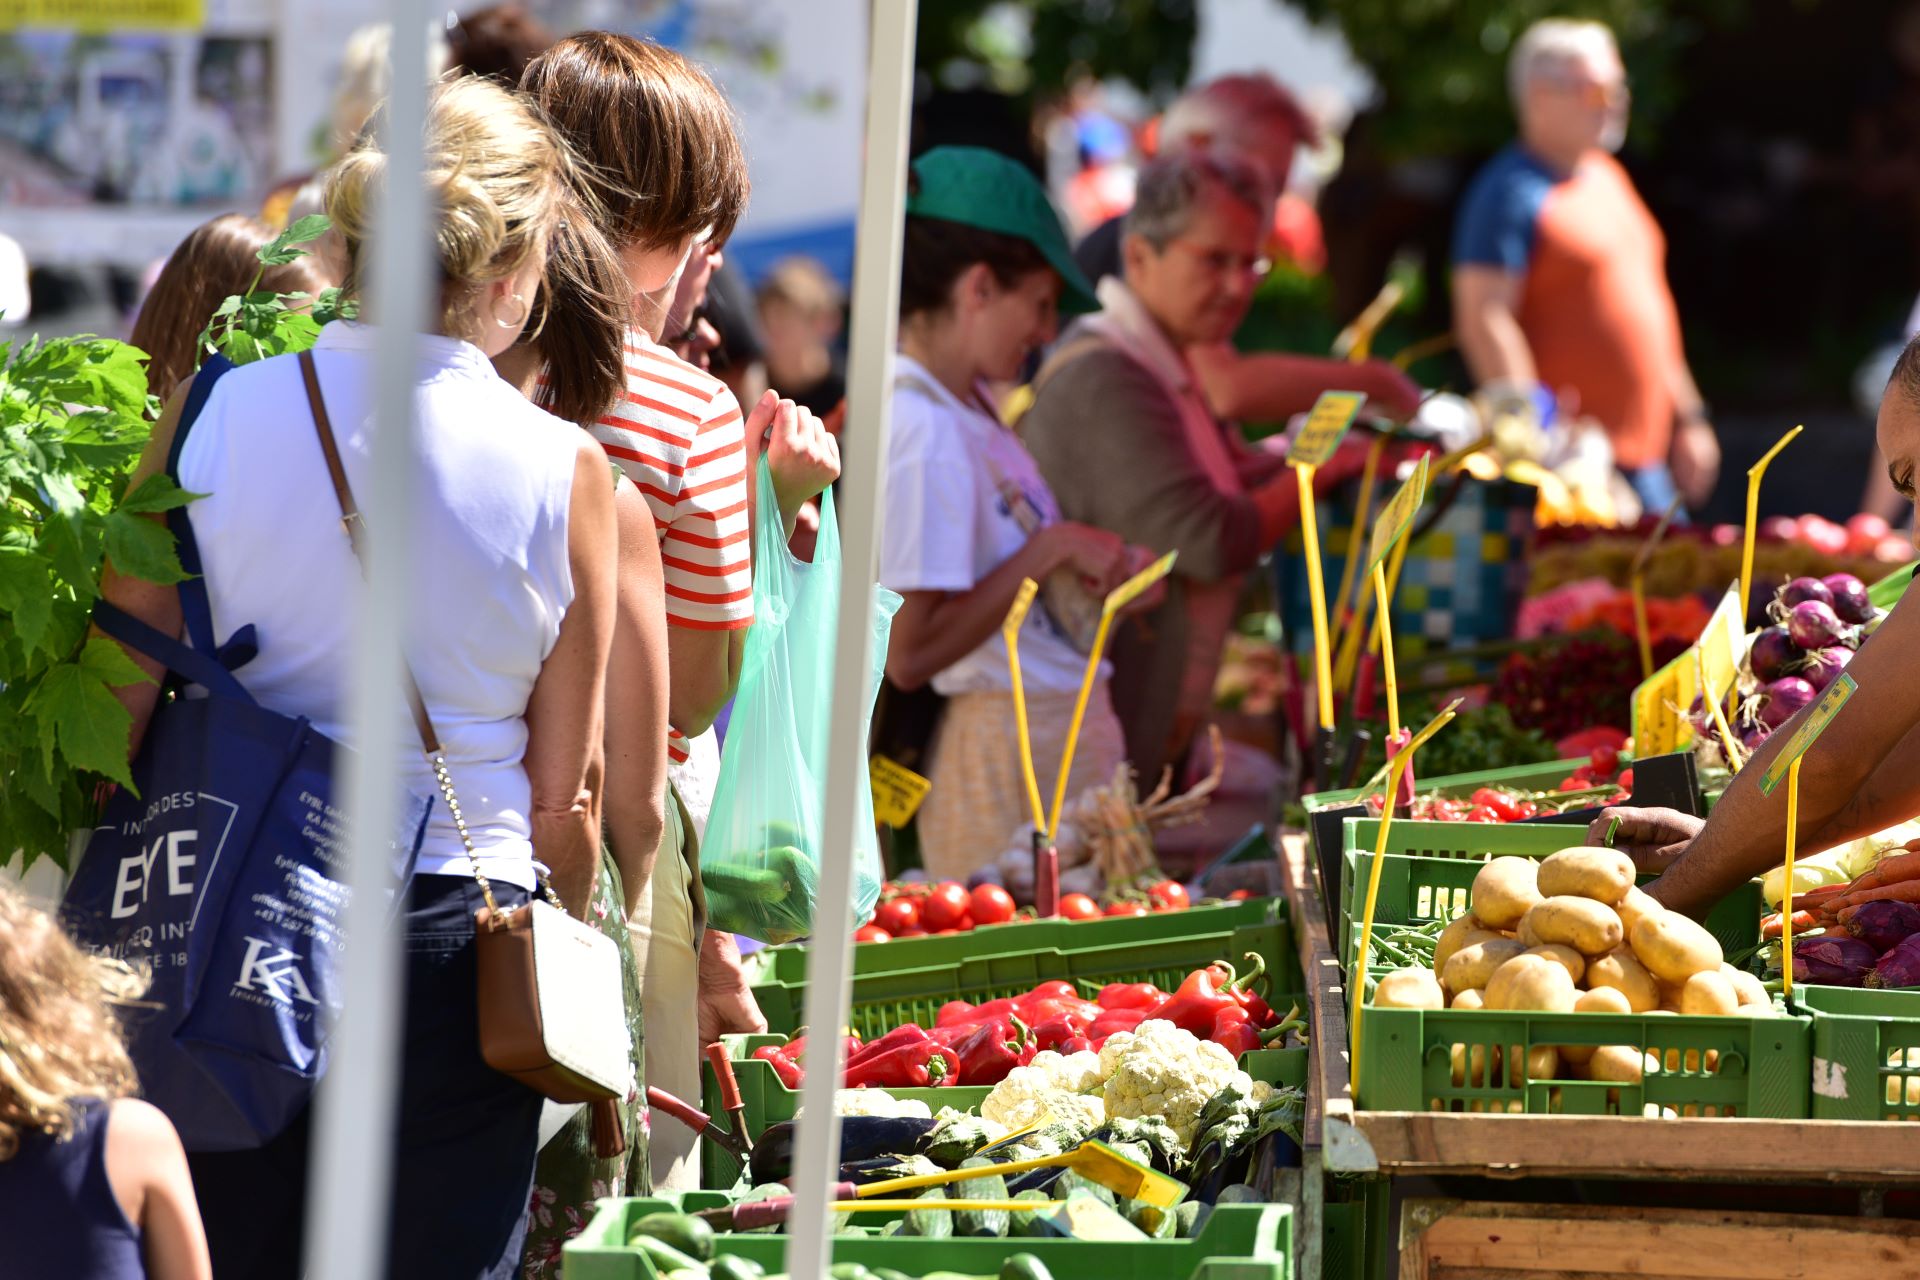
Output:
x=666 y=947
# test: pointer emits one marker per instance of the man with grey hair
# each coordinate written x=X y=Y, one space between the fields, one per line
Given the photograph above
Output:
x=1560 y=294
x=1127 y=441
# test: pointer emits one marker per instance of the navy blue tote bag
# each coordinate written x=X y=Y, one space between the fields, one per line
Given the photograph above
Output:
x=226 y=877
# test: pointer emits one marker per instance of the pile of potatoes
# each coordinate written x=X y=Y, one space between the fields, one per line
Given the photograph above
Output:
x=1572 y=934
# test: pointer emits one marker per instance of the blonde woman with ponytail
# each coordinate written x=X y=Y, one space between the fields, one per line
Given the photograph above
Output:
x=508 y=621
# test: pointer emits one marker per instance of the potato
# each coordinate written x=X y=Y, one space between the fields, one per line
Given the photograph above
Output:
x=1589 y=927
x=1476 y=1075
x=1636 y=904
x=1602 y=1000
x=1471 y=998
x=1542 y=1062
x=1525 y=934
x=1620 y=1063
x=1503 y=890
x=1603 y=875
x=1531 y=981
x=1566 y=957
x=1669 y=998
x=1747 y=987
x=1463 y=932
x=1409 y=989
x=1472 y=966
x=1674 y=948
x=1621 y=970
x=1708 y=992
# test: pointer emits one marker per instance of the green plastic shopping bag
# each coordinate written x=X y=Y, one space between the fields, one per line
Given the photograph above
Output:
x=760 y=858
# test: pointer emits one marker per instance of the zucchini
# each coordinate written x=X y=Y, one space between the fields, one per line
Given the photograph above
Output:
x=888 y=1273
x=1024 y=1266
x=930 y=1224
x=849 y=1271
x=765 y=1191
x=664 y=1257
x=688 y=1234
x=1238 y=1193
x=1025 y=1223
x=730 y=1266
x=979 y=1222
x=1070 y=1182
x=1190 y=1216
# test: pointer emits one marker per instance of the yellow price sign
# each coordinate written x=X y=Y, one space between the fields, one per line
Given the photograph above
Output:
x=1010 y=631
x=1397 y=515
x=1136 y=586
x=1809 y=732
x=1660 y=703
x=1325 y=427
x=897 y=791
x=100 y=16
x=1754 y=475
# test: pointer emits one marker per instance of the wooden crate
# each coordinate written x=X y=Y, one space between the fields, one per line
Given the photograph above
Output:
x=1455 y=1240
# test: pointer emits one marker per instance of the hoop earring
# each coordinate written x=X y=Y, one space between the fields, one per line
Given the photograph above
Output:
x=526 y=309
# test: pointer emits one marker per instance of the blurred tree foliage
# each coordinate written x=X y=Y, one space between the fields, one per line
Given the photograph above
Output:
x=1442 y=63
x=1031 y=48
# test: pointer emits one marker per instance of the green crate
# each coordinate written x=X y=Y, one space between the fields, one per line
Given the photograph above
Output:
x=894 y=984
x=1866 y=1052
x=1408 y=1058
x=1417 y=890
x=1354 y=1225
x=1237 y=1242
x=1517 y=777
x=768 y=1102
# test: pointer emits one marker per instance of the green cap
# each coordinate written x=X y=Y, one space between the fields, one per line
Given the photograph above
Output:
x=980 y=188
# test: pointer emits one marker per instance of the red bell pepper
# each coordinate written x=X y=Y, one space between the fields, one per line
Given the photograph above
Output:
x=1198 y=1000
x=911 y=1062
x=1116 y=1020
x=963 y=1015
x=1129 y=995
x=905 y=1034
x=1234 y=1030
x=774 y=1055
x=1057 y=989
x=1080 y=1013
x=1076 y=1045
x=986 y=1055
x=1052 y=1033
x=953 y=1013
x=1242 y=989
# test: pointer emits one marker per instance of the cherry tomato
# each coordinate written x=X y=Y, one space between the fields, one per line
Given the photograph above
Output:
x=1625 y=780
x=991 y=904
x=945 y=906
x=1126 y=909
x=1078 y=906
x=871 y=933
x=1498 y=801
x=1239 y=895
x=911 y=931
x=963 y=925
x=1527 y=809
x=1481 y=813
x=1605 y=760
x=897 y=915
x=1168 y=895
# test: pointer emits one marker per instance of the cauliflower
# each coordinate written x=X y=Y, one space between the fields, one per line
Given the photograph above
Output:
x=875 y=1102
x=1061 y=1085
x=1159 y=1070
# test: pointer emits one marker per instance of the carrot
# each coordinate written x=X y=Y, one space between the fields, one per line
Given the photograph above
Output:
x=1814 y=897
x=1772 y=927
x=1904 y=891
x=1893 y=868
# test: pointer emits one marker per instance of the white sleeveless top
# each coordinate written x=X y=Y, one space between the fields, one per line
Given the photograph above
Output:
x=488 y=568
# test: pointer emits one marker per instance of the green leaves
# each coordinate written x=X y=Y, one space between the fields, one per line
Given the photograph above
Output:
x=284 y=248
x=142 y=548
x=92 y=726
x=259 y=323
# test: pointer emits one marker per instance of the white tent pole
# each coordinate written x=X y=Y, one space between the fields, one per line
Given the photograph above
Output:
x=876 y=304
x=350 y=1197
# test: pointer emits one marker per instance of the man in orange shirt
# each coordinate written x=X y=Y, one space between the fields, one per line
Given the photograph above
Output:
x=1559 y=281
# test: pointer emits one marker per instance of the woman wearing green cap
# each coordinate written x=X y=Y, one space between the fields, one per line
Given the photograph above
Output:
x=985 y=272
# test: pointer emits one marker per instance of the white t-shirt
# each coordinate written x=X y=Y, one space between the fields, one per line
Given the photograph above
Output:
x=947 y=525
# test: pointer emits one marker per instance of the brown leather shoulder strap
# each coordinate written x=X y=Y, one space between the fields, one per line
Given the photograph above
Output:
x=351 y=521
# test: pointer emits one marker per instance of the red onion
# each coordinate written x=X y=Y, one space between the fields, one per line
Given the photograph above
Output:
x=1752 y=735
x=1850 y=602
x=1899 y=967
x=1801 y=590
x=1824 y=664
x=1779 y=700
x=1814 y=625
x=1831 y=961
x=1772 y=654
x=1884 y=925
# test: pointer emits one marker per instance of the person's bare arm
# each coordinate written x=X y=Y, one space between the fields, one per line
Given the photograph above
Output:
x=1269 y=386
x=935 y=629
x=148 y=1172
x=637 y=694
x=566 y=748
x=156 y=605
x=1694 y=455
x=703 y=669
x=1869 y=739
x=1486 y=324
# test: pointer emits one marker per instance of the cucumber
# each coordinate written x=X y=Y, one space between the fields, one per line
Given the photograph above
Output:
x=979 y=1222
x=1024 y=1266
x=684 y=1232
x=664 y=1257
x=849 y=1271
x=930 y=1224
x=729 y=1266
x=1070 y=1182
x=689 y=1273
x=888 y=1273
x=1025 y=1223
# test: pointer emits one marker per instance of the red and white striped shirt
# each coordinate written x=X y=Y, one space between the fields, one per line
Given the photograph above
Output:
x=678 y=434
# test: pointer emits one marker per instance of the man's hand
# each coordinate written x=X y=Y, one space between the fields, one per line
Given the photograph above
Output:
x=726 y=1001
x=1695 y=460
x=1653 y=838
x=802 y=456
x=1389 y=390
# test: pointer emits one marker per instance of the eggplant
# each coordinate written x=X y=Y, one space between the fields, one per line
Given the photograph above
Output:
x=861 y=1138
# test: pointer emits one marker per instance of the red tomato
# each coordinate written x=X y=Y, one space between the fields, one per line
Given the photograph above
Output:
x=1239 y=895
x=1168 y=895
x=911 y=931
x=945 y=905
x=1604 y=760
x=871 y=933
x=1078 y=906
x=1498 y=801
x=991 y=904
x=897 y=915
x=1126 y=909
x=963 y=925
x=1481 y=813
x=1625 y=780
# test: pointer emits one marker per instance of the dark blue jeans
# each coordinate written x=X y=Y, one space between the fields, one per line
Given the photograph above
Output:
x=464 y=1139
